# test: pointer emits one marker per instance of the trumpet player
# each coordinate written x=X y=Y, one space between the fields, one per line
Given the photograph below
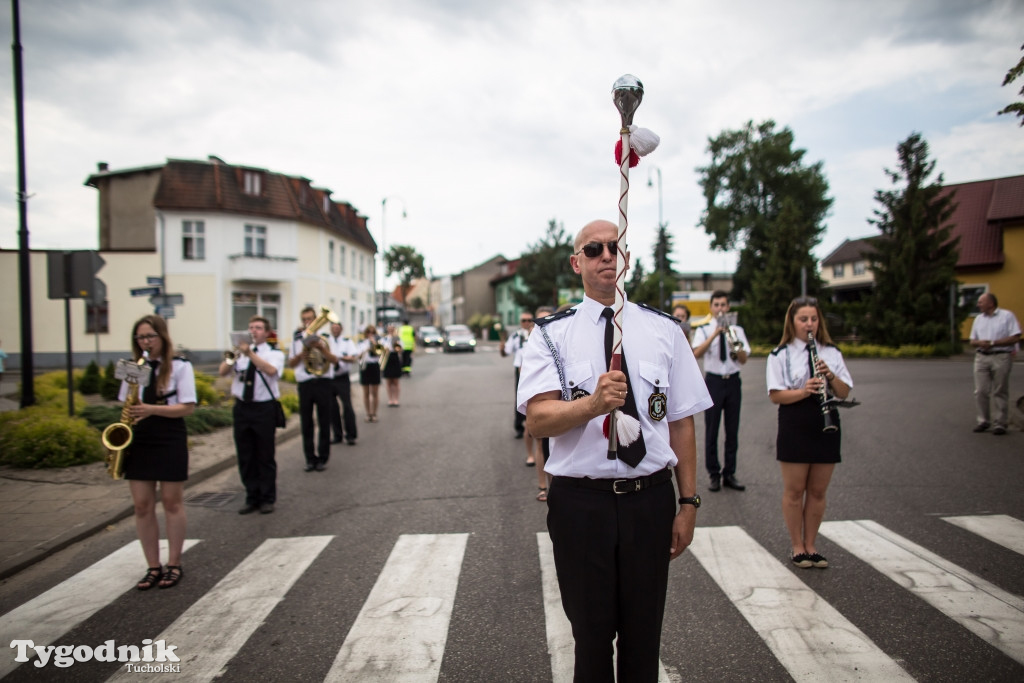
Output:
x=315 y=391
x=159 y=449
x=724 y=349
x=257 y=368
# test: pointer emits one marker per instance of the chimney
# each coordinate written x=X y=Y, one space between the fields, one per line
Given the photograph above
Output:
x=102 y=166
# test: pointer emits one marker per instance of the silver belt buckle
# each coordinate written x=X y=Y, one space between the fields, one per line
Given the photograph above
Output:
x=634 y=485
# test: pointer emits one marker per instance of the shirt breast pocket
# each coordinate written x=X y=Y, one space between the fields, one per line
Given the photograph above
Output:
x=655 y=378
x=580 y=379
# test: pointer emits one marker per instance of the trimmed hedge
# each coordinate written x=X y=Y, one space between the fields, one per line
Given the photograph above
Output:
x=39 y=437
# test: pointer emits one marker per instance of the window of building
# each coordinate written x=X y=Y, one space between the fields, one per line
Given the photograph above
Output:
x=838 y=269
x=330 y=255
x=245 y=305
x=193 y=241
x=255 y=240
x=354 y=264
x=341 y=260
x=860 y=267
x=252 y=183
x=97 y=318
x=327 y=204
x=362 y=264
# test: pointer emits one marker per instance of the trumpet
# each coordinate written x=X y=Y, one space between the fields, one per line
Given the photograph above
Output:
x=726 y=321
x=316 y=363
x=118 y=435
x=232 y=355
x=823 y=396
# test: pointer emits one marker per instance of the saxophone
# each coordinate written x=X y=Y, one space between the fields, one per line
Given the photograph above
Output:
x=118 y=435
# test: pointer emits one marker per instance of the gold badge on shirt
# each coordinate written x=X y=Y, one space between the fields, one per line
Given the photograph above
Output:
x=657 y=404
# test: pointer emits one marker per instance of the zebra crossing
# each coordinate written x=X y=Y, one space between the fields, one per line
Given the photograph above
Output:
x=401 y=632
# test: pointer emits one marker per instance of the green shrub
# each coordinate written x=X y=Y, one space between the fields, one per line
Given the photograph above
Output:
x=38 y=437
x=206 y=420
x=111 y=386
x=290 y=403
x=100 y=416
x=288 y=375
x=90 y=382
x=206 y=393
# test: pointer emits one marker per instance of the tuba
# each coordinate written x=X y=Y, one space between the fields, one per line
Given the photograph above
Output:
x=316 y=363
x=701 y=322
x=118 y=435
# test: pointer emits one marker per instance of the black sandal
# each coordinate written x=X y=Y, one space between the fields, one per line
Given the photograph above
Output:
x=153 y=574
x=172 y=576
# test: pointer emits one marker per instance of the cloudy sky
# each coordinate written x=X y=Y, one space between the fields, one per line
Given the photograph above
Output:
x=484 y=120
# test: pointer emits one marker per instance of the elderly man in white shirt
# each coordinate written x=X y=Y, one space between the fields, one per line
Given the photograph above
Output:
x=994 y=336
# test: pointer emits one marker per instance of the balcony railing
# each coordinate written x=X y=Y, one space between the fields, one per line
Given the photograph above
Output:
x=262 y=268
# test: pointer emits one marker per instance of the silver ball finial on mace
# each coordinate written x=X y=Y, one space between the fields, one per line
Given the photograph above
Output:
x=627 y=92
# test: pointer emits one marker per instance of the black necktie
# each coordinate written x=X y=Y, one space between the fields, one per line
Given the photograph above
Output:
x=149 y=393
x=634 y=452
x=721 y=346
x=250 y=380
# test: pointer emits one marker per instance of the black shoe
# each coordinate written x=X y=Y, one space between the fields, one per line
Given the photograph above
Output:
x=248 y=509
x=716 y=483
x=320 y=466
x=999 y=431
x=351 y=442
x=338 y=440
x=309 y=467
x=981 y=427
x=519 y=435
x=730 y=482
x=266 y=508
x=803 y=560
x=817 y=560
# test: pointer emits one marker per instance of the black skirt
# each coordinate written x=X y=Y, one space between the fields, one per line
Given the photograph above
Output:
x=369 y=374
x=393 y=369
x=158 y=451
x=801 y=438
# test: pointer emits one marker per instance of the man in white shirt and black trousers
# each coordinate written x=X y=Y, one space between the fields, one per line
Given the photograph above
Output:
x=346 y=352
x=315 y=391
x=612 y=517
x=257 y=369
x=722 y=373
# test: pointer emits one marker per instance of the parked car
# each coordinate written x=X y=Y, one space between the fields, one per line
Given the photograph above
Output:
x=431 y=336
x=458 y=338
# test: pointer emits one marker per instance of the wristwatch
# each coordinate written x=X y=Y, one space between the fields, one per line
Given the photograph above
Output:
x=694 y=501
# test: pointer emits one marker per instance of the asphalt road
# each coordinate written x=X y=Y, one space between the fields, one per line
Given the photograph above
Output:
x=445 y=463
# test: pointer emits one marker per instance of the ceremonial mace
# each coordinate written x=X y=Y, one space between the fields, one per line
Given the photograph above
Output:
x=627 y=92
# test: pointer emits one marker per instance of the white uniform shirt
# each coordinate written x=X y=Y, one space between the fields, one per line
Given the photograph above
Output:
x=182 y=382
x=260 y=392
x=515 y=345
x=659 y=359
x=342 y=346
x=1002 y=323
x=788 y=367
x=300 y=370
x=712 y=361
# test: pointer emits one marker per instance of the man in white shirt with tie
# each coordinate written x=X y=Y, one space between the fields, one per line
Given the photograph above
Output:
x=345 y=350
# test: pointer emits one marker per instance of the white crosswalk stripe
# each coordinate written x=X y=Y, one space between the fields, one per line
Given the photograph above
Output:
x=50 y=615
x=806 y=634
x=402 y=629
x=213 y=629
x=400 y=633
x=986 y=610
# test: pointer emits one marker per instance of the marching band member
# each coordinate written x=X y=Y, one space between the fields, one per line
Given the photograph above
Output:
x=159 y=449
x=346 y=352
x=369 y=371
x=315 y=390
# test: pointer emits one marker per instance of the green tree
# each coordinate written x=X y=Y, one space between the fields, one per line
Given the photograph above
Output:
x=1012 y=75
x=915 y=255
x=407 y=263
x=635 y=281
x=545 y=269
x=762 y=197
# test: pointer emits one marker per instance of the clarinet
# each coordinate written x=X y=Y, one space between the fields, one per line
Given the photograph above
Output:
x=823 y=399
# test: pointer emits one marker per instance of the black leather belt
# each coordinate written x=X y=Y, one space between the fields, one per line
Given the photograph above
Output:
x=615 y=485
x=715 y=374
x=991 y=353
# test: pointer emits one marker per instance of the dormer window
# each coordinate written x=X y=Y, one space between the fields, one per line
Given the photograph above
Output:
x=251 y=181
x=327 y=204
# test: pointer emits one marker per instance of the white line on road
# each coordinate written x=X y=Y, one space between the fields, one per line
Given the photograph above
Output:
x=52 y=614
x=210 y=632
x=992 y=614
x=806 y=634
x=401 y=631
x=1002 y=529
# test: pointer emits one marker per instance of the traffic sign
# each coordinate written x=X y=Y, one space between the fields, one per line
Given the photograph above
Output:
x=165 y=311
x=167 y=299
x=145 y=291
x=158 y=281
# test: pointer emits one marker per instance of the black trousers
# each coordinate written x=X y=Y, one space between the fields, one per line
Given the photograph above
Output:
x=343 y=392
x=520 y=423
x=319 y=394
x=727 y=395
x=406 y=360
x=255 y=447
x=611 y=557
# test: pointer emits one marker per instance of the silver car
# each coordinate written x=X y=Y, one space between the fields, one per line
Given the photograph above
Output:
x=458 y=338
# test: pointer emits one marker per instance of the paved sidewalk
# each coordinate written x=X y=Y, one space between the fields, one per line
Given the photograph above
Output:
x=43 y=511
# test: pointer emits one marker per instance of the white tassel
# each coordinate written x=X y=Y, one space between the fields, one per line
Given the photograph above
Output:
x=627 y=428
x=642 y=140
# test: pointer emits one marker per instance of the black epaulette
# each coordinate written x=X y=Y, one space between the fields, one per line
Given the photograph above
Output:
x=182 y=358
x=776 y=350
x=554 y=316
x=663 y=314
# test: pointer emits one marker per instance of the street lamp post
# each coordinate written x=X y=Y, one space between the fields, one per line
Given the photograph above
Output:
x=659 y=247
x=383 y=256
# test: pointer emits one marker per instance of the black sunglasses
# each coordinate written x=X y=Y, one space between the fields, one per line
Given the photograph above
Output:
x=595 y=249
x=805 y=301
